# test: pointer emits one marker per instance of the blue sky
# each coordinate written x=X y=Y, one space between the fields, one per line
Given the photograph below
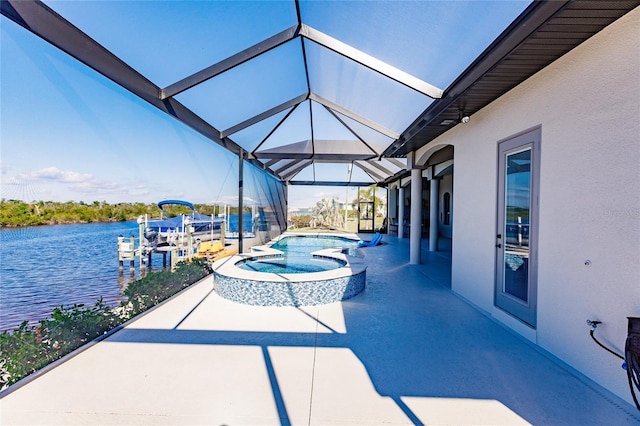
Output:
x=68 y=133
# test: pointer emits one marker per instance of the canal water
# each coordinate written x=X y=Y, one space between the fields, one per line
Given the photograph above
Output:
x=43 y=267
x=47 y=266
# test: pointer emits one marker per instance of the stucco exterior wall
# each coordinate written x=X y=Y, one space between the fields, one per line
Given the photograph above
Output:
x=588 y=106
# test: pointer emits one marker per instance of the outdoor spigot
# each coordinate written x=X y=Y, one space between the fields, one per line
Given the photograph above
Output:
x=593 y=323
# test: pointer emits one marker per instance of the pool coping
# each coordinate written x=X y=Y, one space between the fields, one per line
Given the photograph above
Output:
x=346 y=236
x=353 y=266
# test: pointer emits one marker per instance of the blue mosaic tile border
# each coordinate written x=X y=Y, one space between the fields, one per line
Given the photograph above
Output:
x=307 y=293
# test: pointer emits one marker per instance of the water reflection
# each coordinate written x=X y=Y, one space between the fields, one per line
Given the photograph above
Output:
x=48 y=266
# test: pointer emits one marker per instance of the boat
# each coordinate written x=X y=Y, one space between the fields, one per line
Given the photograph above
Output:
x=176 y=231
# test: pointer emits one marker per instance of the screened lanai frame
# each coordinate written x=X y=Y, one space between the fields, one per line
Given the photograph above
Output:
x=539 y=34
x=342 y=144
x=289 y=160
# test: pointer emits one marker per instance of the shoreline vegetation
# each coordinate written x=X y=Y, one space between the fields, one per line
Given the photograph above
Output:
x=30 y=347
x=17 y=214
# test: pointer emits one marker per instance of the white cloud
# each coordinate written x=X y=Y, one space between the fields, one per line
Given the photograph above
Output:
x=79 y=183
x=54 y=174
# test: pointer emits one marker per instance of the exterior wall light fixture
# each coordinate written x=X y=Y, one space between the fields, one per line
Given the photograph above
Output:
x=462 y=118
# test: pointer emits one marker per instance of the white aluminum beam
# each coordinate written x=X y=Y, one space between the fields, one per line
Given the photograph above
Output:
x=328 y=183
x=296 y=170
x=258 y=118
x=353 y=132
x=272 y=131
x=396 y=162
x=370 y=62
x=270 y=163
x=287 y=166
x=352 y=115
x=375 y=176
x=231 y=62
x=378 y=166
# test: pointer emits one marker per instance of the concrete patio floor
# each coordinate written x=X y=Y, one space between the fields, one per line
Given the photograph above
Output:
x=405 y=351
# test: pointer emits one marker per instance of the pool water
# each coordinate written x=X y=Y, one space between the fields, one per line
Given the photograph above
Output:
x=290 y=264
x=293 y=276
x=305 y=245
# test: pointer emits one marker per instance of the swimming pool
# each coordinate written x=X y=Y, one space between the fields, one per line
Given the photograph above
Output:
x=290 y=264
x=304 y=245
x=294 y=254
x=280 y=273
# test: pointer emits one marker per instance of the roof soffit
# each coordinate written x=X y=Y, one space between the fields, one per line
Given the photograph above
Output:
x=544 y=32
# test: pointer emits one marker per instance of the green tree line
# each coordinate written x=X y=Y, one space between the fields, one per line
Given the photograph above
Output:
x=16 y=213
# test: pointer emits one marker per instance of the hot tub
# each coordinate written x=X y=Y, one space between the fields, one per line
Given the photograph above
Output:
x=266 y=277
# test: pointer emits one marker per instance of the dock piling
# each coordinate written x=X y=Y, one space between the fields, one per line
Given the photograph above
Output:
x=132 y=254
x=120 y=260
x=142 y=245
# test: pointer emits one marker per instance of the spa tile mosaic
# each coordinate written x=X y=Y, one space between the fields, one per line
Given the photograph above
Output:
x=270 y=293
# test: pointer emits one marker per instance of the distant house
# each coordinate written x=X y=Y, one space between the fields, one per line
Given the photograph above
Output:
x=295 y=211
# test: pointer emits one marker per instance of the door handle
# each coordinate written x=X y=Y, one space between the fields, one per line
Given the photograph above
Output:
x=499 y=245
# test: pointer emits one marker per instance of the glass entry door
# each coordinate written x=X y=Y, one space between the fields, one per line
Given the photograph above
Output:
x=515 y=290
x=366 y=216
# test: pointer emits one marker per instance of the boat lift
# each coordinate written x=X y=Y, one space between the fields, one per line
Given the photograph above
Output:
x=180 y=238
